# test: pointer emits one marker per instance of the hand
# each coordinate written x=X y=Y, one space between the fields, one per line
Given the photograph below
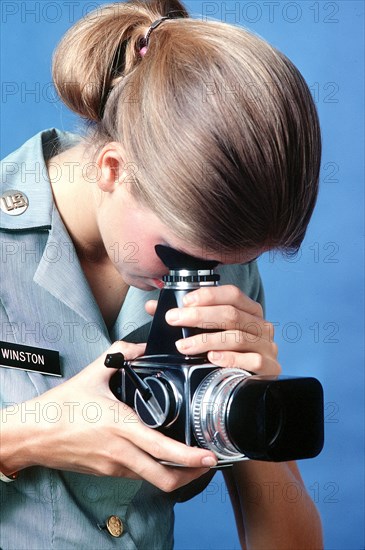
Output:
x=243 y=338
x=97 y=434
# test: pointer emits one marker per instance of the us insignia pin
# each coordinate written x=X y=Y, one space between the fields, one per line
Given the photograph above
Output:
x=14 y=202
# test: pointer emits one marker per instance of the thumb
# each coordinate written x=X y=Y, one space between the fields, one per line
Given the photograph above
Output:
x=125 y=350
x=97 y=369
x=129 y=350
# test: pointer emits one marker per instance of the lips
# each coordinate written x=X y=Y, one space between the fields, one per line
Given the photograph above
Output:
x=158 y=283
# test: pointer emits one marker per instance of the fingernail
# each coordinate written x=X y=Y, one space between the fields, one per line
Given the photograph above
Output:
x=209 y=461
x=172 y=315
x=190 y=298
x=185 y=343
x=215 y=356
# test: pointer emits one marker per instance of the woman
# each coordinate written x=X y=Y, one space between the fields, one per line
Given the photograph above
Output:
x=204 y=138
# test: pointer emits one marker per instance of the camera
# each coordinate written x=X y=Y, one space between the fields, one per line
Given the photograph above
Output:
x=232 y=412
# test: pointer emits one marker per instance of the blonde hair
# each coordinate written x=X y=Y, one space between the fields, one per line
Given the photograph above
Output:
x=220 y=127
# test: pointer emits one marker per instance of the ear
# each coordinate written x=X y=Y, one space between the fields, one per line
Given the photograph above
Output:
x=111 y=164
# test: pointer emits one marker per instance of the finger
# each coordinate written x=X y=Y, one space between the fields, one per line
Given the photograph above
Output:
x=220 y=318
x=167 y=478
x=252 y=362
x=161 y=447
x=129 y=350
x=233 y=340
x=151 y=306
x=134 y=463
x=97 y=374
x=221 y=295
x=109 y=469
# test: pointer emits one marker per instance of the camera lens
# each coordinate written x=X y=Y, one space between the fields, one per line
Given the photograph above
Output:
x=210 y=411
x=255 y=416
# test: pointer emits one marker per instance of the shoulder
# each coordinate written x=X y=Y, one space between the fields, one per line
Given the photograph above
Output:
x=39 y=147
x=26 y=200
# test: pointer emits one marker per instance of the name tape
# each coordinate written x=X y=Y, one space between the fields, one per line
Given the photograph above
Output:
x=43 y=361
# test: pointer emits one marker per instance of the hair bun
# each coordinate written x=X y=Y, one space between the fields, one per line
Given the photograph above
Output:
x=95 y=50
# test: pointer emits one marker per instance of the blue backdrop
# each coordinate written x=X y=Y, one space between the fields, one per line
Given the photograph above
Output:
x=315 y=299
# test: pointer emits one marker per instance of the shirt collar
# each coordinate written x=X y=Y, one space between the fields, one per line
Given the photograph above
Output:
x=25 y=171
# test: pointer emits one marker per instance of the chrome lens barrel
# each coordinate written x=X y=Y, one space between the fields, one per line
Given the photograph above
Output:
x=210 y=407
x=189 y=279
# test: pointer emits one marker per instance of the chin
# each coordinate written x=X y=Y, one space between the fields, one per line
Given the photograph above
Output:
x=145 y=286
x=140 y=282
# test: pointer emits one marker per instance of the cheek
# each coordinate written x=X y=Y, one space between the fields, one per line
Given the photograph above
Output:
x=147 y=257
x=134 y=253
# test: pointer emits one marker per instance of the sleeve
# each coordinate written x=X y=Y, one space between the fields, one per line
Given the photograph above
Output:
x=257 y=291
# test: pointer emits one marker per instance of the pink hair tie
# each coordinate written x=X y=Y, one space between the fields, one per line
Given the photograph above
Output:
x=143 y=46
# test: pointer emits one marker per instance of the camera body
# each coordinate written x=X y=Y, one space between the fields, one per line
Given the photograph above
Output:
x=188 y=414
x=230 y=411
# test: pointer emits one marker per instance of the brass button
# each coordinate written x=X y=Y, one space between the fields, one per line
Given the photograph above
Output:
x=115 y=526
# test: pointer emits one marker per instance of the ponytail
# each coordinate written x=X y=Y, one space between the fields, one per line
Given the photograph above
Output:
x=100 y=49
